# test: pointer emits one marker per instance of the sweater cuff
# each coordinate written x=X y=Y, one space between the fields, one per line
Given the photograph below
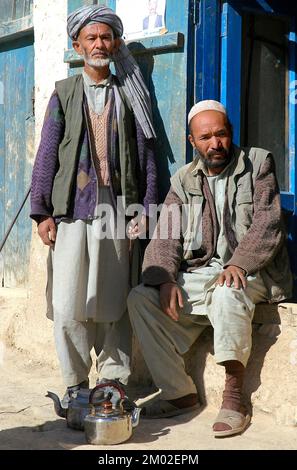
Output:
x=155 y=276
x=37 y=213
x=242 y=262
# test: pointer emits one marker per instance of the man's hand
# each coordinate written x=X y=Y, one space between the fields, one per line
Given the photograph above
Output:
x=170 y=295
x=137 y=226
x=47 y=231
x=233 y=275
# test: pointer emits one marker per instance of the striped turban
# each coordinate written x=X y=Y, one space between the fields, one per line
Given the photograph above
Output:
x=127 y=70
x=93 y=14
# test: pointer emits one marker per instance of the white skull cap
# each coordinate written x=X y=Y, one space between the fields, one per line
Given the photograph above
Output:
x=206 y=105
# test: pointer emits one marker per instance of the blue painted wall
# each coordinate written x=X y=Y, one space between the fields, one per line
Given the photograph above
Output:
x=2 y=153
x=16 y=148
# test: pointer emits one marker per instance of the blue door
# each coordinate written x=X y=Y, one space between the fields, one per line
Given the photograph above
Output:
x=250 y=66
x=258 y=86
x=16 y=154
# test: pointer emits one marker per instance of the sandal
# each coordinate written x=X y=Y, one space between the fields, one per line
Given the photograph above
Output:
x=236 y=420
x=165 y=409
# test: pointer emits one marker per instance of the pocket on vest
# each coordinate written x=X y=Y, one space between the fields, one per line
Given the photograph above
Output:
x=244 y=209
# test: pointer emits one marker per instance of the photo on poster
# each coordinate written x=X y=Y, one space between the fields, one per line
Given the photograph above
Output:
x=142 y=18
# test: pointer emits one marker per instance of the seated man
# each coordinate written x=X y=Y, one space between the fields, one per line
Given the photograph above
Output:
x=227 y=254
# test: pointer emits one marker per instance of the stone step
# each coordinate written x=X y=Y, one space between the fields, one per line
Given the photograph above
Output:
x=284 y=313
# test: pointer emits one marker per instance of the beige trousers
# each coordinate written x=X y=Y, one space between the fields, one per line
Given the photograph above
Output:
x=88 y=284
x=111 y=341
x=163 y=341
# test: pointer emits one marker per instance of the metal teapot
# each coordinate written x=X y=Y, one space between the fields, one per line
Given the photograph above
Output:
x=109 y=424
x=78 y=407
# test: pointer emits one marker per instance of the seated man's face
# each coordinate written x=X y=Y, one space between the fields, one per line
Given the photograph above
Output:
x=212 y=137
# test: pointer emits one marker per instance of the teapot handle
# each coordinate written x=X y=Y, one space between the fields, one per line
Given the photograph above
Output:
x=110 y=384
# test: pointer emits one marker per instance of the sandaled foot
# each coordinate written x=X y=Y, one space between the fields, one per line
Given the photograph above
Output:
x=169 y=408
x=235 y=422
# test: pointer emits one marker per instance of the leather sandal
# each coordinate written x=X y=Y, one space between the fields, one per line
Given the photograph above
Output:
x=237 y=421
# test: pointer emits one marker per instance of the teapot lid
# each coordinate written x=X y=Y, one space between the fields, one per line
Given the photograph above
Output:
x=106 y=410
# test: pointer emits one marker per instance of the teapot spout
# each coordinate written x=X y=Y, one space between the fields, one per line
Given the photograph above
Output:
x=60 y=411
x=135 y=417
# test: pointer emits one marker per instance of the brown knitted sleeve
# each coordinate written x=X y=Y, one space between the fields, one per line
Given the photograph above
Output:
x=164 y=253
x=266 y=235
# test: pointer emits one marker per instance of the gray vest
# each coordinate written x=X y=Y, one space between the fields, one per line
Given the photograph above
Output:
x=276 y=275
x=71 y=92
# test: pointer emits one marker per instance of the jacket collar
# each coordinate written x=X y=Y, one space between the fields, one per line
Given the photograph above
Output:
x=192 y=179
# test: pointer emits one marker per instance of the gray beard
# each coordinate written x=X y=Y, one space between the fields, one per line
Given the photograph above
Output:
x=98 y=63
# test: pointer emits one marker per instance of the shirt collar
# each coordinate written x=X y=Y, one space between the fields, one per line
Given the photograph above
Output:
x=91 y=83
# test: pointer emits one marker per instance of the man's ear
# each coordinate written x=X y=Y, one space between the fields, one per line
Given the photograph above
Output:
x=192 y=141
x=77 y=47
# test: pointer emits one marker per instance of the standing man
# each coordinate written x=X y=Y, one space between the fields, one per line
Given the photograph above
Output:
x=97 y=144
x=229 y=255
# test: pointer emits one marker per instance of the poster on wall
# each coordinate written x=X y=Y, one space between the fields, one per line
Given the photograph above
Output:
x=142 y=18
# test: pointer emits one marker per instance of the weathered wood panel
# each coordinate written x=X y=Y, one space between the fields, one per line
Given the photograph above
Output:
x=13 y=9
x=2 y=161
x=16 y=153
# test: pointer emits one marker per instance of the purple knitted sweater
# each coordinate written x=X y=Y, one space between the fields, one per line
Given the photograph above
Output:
x=83 y=198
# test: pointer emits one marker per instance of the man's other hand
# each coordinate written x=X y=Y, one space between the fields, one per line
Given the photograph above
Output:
x=170 y=298
x=47 y=231
x=232 y=275
x=137 y=227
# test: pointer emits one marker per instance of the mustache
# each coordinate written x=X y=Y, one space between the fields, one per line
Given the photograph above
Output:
x=103 y=53
x=212 y=153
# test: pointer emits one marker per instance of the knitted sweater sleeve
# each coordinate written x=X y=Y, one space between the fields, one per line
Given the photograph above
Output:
x=147 y=169
x=164 y=253
x=46 y=162
x=265 y=235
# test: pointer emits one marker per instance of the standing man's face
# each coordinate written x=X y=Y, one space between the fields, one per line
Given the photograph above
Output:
x=153 y=4
x=96 y=43
x=212 y=137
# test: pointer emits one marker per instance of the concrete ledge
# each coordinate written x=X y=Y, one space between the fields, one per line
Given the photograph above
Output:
x=284 y=313
x=154 y=44
x=16 y=28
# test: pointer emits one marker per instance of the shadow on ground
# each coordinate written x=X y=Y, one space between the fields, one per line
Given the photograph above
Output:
x=55 y=435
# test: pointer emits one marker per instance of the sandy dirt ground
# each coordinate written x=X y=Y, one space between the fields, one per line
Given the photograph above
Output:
x=28 y=420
